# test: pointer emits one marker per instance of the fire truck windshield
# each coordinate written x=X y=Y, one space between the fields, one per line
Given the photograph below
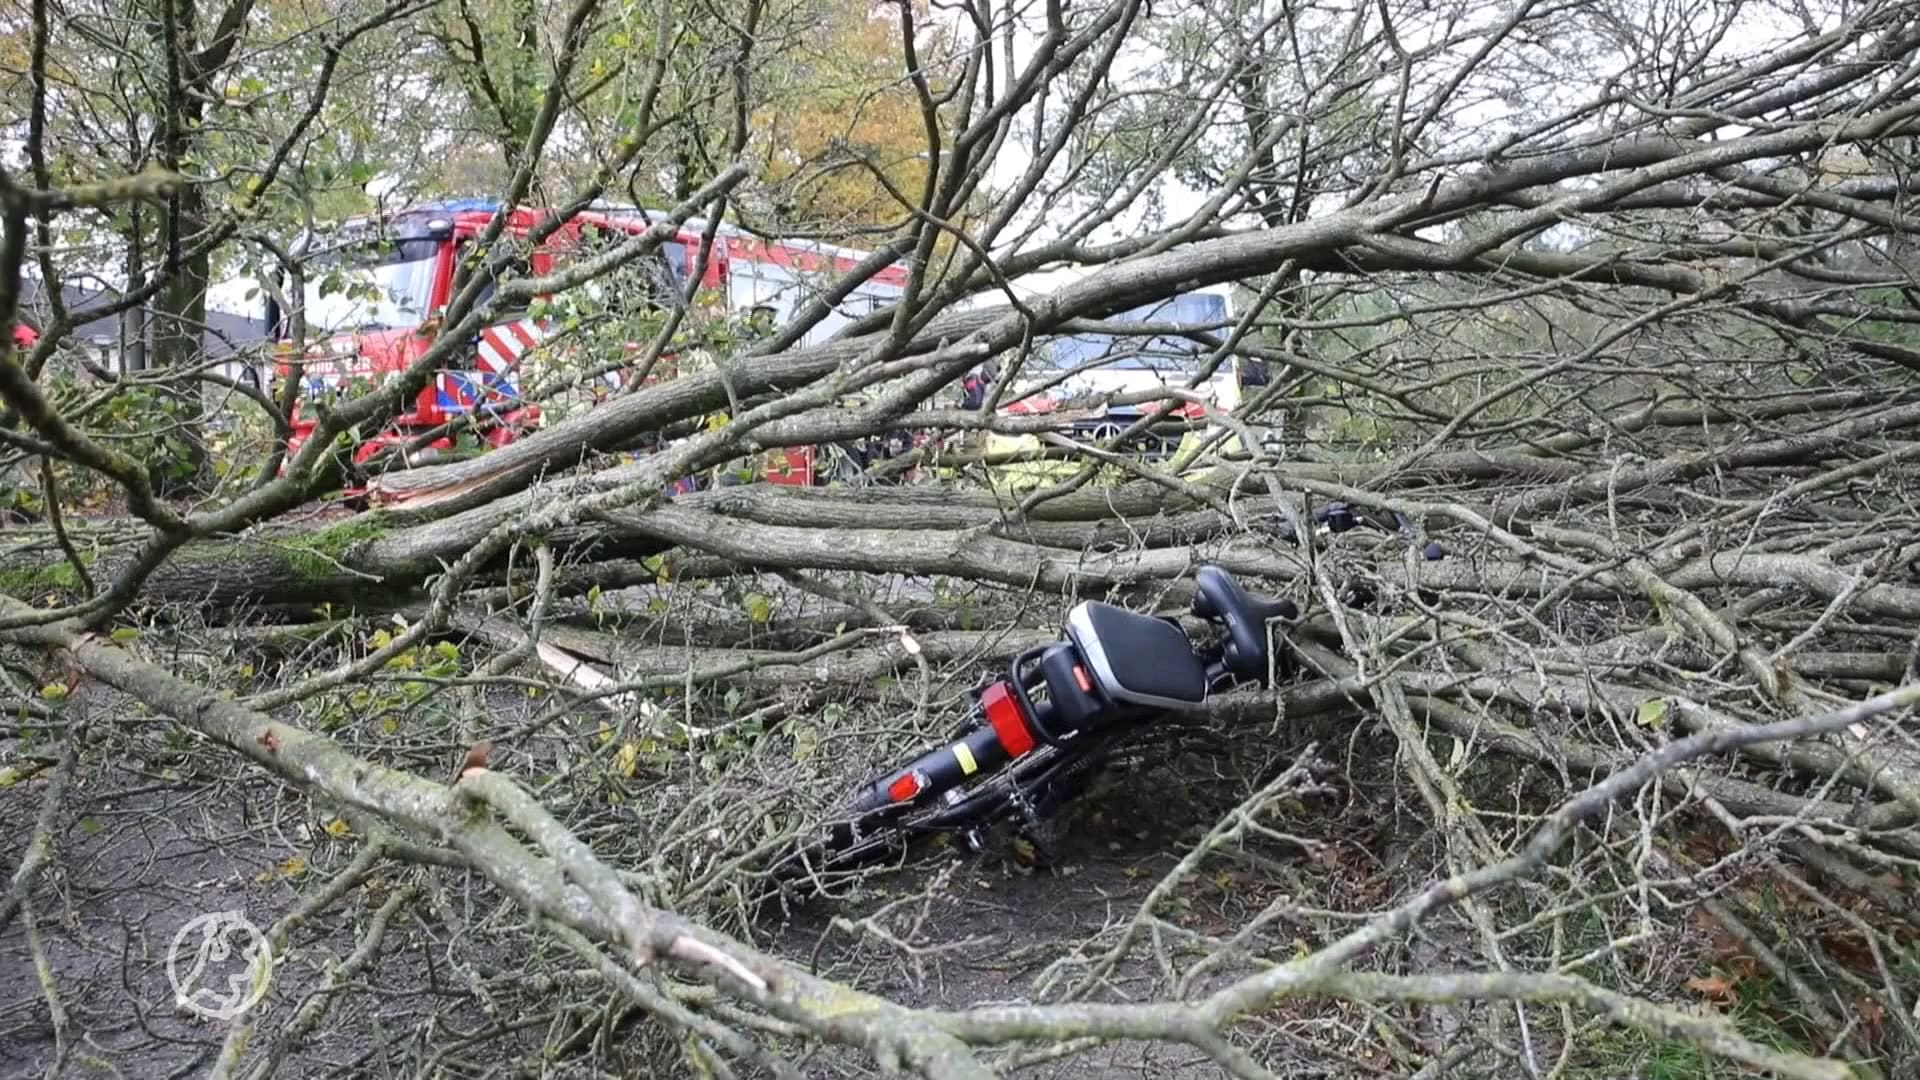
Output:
x=371 y=287
x=1116 y=352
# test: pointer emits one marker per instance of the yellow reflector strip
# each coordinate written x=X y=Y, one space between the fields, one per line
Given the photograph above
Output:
x=964 y=756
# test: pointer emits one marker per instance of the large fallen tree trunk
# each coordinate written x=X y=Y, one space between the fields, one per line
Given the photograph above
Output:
x=908 y=533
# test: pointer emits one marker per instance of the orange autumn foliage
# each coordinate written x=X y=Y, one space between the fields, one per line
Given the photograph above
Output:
x=840 y=109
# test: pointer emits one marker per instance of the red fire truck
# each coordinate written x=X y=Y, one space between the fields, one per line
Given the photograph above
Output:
x=375 y=290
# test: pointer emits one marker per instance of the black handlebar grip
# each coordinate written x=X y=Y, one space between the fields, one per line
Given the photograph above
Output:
x=1218 y=596
x=1432 y=552
x=1341 y=517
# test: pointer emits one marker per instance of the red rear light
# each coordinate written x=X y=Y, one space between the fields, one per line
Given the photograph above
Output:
x=1009 y=720
x=904 y=788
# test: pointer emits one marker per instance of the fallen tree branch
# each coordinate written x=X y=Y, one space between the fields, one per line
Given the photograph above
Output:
x=39 y=846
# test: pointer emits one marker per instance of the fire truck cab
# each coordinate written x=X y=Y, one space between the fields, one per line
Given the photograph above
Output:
x=376 y=291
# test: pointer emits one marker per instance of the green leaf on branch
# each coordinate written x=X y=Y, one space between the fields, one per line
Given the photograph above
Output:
x=1652 y=714
x=759 y=608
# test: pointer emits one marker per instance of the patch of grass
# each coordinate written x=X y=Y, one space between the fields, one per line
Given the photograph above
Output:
x=21 y=581
x=1621 y=1054
x=1767 y=1015
x=1613 y=1054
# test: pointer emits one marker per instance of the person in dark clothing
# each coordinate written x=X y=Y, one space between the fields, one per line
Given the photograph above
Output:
x=973 y=389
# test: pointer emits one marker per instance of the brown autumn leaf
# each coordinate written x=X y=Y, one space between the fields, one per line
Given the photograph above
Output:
x=1714 y=988
x=475 y=761
x=1727 y=949
x=1850 y=949
x=1873 y=1019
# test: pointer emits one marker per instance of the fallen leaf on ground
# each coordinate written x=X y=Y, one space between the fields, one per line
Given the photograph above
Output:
x=1713 y=987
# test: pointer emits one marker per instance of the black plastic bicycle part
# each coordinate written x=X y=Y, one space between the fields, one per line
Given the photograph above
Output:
x=1136 y=659
x=1008 y=733
x=1041 y=717
x=1244 y=652
x=1339 y=517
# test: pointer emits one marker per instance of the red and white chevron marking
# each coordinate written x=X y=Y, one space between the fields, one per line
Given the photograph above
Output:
x=502 y=346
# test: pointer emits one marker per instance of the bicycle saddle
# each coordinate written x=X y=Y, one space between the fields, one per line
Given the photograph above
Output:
x=1137 y=659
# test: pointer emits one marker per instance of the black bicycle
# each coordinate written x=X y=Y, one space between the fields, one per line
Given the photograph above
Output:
x=1035 y=736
